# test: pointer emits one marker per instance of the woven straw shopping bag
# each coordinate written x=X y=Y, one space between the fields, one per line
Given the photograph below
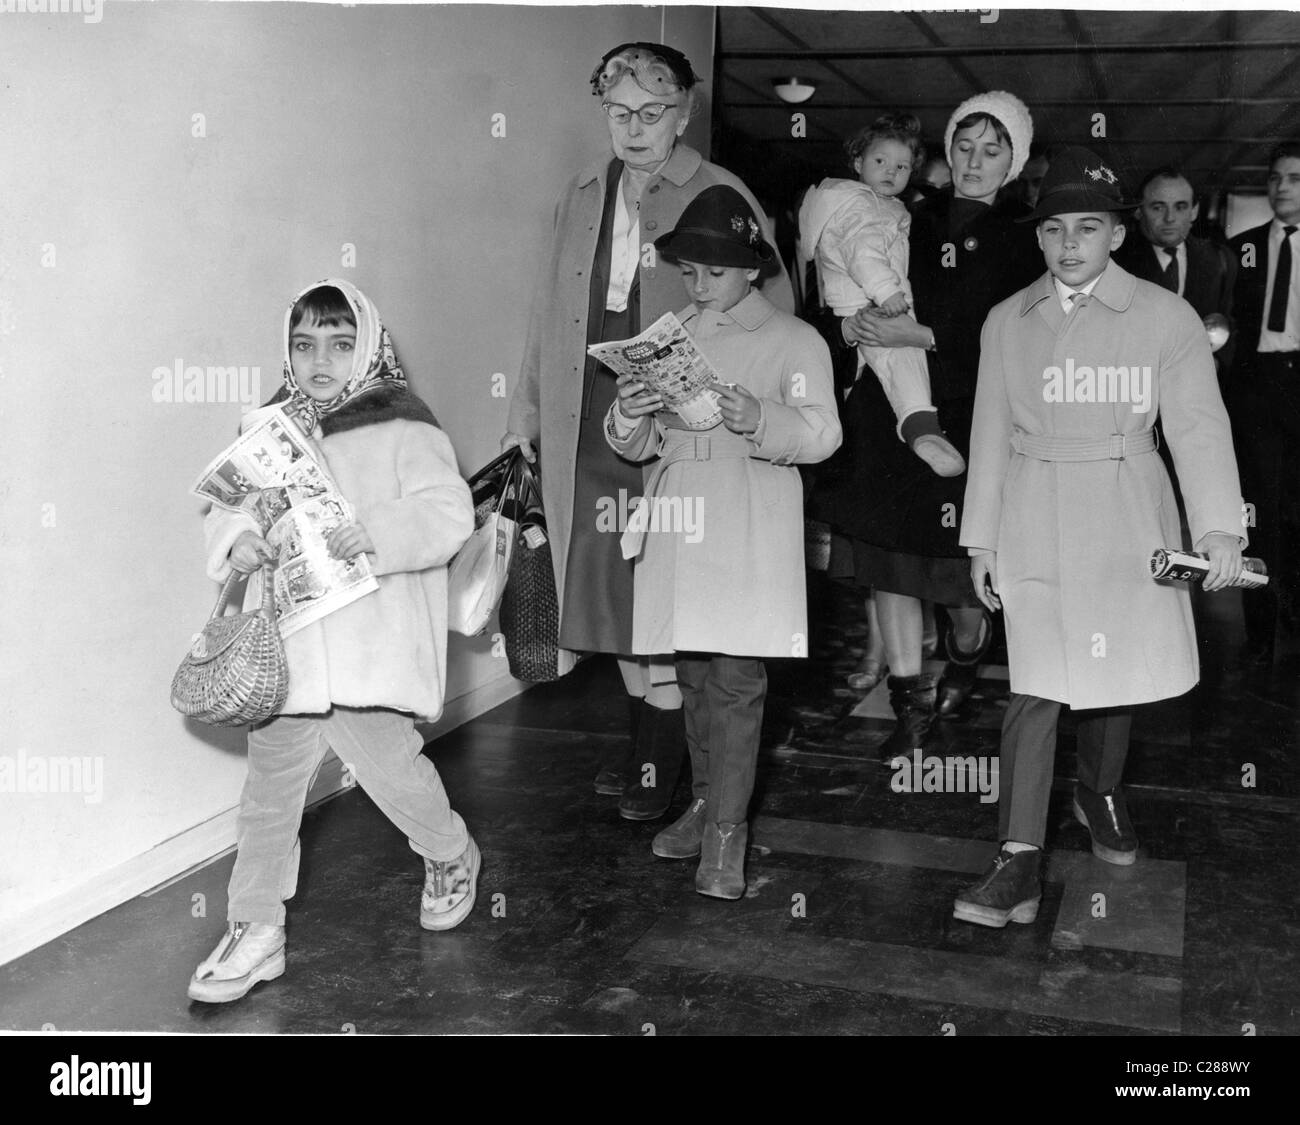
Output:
x=235 y=672
x=530 y=609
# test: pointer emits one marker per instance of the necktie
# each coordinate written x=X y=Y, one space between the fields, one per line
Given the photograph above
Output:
x=1170 y=276
x=1281 y=284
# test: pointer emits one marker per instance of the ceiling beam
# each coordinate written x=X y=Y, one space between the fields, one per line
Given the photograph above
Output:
x=764 y=102
x=807 y=52
x=958 y=66
x=1285 y=77
x=1277 y=130
x=773 y=103
x=1088 y=48
x=971 y=51
x=1174 y=142
x=1227 y=31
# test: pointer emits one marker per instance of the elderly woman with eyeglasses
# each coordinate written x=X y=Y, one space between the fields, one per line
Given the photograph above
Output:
x=602 y=280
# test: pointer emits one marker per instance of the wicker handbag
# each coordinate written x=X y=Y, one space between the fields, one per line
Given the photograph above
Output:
x=235 y=673
x=530 y=609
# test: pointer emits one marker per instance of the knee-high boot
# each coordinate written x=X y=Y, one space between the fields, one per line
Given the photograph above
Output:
x=913 y=700
x=959 y=676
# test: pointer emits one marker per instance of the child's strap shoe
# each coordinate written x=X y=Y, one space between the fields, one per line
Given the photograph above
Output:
x=449 y=889
x=249 y=952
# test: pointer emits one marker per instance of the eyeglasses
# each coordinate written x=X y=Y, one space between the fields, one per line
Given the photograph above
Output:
x=647 y=114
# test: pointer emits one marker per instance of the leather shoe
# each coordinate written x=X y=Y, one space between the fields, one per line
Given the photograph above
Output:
x=1010 y=891
x=1105 y=816
x=867 y=674
x=721 y=873
x=681 y=840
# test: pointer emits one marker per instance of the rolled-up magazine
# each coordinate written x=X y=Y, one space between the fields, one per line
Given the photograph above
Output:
x=1192 y=566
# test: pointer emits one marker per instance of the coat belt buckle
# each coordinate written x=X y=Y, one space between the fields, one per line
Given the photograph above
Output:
x=701 y=447
x=1116 y=447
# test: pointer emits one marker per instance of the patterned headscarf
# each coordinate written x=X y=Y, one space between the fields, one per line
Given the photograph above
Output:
x=374 y=363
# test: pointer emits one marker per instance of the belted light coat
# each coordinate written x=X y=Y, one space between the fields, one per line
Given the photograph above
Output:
x=547 y=400
x=721 y=568
x=1086 y=623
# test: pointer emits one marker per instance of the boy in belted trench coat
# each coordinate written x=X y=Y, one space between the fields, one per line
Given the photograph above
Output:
x=1065 y=501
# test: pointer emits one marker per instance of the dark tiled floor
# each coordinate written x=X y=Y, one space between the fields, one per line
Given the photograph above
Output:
x=846 y=927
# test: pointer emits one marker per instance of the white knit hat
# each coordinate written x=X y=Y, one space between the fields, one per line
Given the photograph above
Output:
x=1014 y=115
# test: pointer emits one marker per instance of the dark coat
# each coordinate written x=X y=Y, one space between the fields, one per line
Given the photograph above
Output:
x=876 y=489
x=1248 y=297
x=1211 y=273
x=1211 y=270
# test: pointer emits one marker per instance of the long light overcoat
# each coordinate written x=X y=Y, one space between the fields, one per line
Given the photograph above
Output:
x=548 y=398
x=1086 y=624
x=723 y=570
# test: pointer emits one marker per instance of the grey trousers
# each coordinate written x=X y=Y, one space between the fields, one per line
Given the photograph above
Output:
x=722 y=700
x=1025 y=765
x=380 y=749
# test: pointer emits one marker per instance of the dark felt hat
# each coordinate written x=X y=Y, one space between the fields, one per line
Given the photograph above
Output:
x=718 y=228
x=1078 y=180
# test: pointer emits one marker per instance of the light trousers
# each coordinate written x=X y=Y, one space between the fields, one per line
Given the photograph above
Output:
x=904 y=375
x=380 y=749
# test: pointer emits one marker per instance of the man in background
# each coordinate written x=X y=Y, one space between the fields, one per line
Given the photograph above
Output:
x=1263 y=397
x=1198 y=270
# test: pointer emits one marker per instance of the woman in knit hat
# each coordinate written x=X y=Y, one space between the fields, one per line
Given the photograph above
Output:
x=900 y=520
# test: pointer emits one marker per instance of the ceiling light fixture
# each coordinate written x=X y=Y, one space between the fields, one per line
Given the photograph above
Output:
x=794 y=90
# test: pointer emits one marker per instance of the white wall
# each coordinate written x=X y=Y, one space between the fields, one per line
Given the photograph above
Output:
x=127 y=243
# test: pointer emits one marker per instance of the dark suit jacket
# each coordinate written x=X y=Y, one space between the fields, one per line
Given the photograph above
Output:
x=1211 y=270
x=1248 y=296
x=1211 y=273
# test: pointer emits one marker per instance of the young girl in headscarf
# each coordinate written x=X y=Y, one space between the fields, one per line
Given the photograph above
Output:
x=361 y=676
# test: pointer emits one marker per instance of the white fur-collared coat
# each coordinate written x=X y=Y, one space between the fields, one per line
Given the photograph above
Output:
x=389 y=648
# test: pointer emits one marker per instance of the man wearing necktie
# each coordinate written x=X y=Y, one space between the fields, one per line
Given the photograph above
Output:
x=1263 y=396
x=1198 y=270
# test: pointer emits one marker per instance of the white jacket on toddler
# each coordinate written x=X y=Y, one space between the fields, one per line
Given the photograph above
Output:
x=859 y=241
